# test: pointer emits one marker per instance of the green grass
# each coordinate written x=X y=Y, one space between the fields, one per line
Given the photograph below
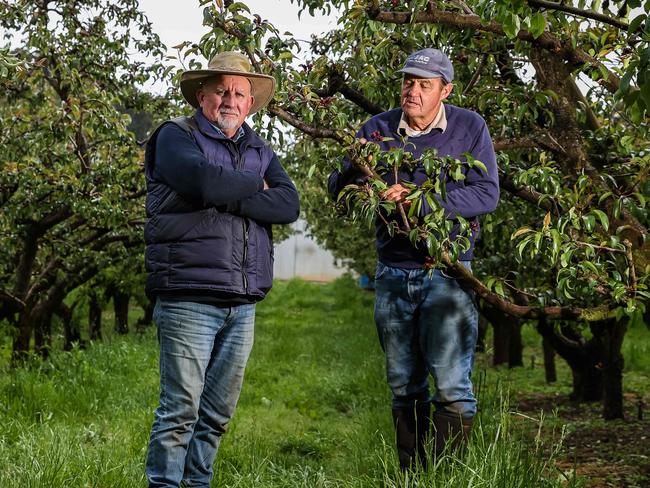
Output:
x=314 y=412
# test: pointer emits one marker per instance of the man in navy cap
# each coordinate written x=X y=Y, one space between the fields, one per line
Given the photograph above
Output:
x=427 y=320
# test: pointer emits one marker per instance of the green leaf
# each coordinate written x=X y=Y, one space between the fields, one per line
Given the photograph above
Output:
x=239 y=6
x=537 y=24
x=498 y=288
x=636 y=22
x=511 y=26
x=602 y=216
x=604 y=196
x=640 y=198
x=590 y=222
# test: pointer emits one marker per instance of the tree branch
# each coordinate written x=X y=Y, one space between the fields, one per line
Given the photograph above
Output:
x=299 y=124
x=587 y=14
x=477 y=74
x=547 y=41
x=337 y=84
x=528 y=194
x=523 y=311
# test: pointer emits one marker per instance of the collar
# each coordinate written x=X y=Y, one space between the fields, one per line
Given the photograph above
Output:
x=238 y=135
x=209 y=129
x=439 y=122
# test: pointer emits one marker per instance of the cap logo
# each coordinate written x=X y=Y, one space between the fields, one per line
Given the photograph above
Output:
x=420 y=59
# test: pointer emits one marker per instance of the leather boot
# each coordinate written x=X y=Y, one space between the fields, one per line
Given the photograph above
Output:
x=450 y=430
x=412 y=426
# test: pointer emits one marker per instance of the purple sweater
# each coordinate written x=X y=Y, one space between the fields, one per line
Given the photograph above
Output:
x=476 y=195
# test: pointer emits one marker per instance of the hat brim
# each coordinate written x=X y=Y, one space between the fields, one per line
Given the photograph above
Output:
x=262 y=86
x=422 y=73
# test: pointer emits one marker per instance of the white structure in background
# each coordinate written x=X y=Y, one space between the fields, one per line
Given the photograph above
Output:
x=300 y=256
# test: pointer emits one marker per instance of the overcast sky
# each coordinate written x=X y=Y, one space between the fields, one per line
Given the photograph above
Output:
x=176 y=21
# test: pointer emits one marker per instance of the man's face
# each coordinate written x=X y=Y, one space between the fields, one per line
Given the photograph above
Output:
x=225 y=101
x=421 y=97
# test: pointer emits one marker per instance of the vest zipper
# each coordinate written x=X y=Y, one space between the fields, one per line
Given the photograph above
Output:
x=243 y=268
x=240 y=165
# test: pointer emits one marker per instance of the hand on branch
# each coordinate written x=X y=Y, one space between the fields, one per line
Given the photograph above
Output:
x=397 y=193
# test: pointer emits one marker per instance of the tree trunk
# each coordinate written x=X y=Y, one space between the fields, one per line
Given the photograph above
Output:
x=43 y=334
x=549 y=361
x=610 y=335
x=95 y=317
x=147 y=319
x=71 y=329
x=501 y=343
x=121 y=308
x=586 y=368
x=585 y=358
x=20 y=348
x=508 y=347
x=516 y=347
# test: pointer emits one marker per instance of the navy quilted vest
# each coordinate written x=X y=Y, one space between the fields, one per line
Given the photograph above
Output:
x=192 y=248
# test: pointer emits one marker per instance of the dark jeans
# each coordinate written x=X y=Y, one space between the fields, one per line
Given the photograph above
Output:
x=427 y=324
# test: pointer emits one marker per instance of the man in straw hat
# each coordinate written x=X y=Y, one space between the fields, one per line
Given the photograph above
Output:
x=426 y=319
x=214 y=188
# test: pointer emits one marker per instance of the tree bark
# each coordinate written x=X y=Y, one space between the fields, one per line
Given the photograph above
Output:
x=21 y=343
x=71 y=329
x=147 y=319
x=610 y=336
x=95 y=317
x=585 y=358
x=507 y=343
x=550 y=372
x=482 y=332
x=121 y=308
x=516 y=347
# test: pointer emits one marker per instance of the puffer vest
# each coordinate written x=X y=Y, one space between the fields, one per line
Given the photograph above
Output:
x=193 y=248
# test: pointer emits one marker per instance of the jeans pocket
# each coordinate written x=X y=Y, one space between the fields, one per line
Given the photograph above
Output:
x=445 y=274
x=381 y=270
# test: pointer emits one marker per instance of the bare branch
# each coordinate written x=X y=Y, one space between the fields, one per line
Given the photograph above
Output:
x=315 y=132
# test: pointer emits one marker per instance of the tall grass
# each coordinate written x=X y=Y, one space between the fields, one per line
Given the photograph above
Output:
x=315 y=411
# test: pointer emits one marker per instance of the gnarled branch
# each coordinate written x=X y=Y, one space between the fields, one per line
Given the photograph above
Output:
x=547 y=41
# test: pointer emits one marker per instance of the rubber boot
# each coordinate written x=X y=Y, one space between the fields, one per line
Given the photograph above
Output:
x=423 y=428
x=451 y=431
x=412 y=426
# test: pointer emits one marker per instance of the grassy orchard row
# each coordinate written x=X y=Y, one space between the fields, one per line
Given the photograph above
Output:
x=314 y=411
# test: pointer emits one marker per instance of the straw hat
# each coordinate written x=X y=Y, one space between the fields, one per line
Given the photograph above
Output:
x=229 y=63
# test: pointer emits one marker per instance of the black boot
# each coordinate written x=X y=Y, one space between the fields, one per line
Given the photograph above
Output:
x=423 y=427
x=412 y=427
x=450 y=430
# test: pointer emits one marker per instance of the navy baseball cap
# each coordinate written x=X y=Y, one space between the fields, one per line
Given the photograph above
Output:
x=429 y=63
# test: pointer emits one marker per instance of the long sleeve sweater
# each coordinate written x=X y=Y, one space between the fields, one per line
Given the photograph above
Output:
x=476 y=195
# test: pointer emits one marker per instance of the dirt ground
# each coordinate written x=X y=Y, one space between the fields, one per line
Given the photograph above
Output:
x=605 y=454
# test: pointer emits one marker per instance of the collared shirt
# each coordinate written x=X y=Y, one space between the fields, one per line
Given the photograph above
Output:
x=238 y=135
x=439 y=122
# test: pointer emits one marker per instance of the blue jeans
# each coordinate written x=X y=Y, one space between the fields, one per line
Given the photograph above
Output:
x=427 y=324
x=203 y=354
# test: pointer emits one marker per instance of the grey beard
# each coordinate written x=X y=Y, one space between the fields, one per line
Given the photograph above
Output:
x=226 y=122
